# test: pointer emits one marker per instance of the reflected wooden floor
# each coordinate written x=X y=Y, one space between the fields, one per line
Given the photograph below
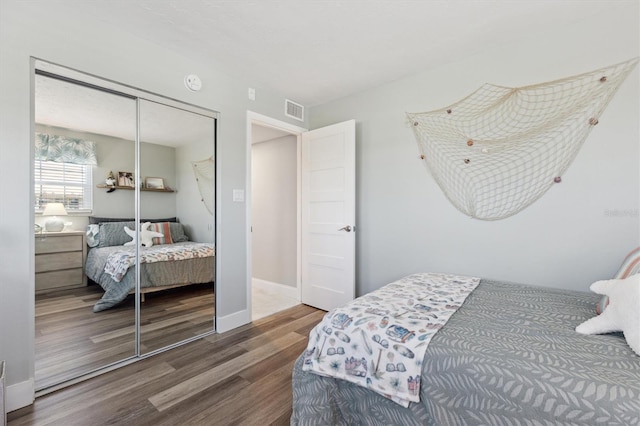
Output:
x=70 y=339
x=239 y=377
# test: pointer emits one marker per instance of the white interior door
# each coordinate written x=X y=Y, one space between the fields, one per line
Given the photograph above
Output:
x=328 y=215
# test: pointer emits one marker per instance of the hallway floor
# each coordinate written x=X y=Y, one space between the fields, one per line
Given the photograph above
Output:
x=267 y=300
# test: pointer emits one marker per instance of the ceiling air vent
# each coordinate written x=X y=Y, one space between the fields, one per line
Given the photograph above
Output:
x=293 y=110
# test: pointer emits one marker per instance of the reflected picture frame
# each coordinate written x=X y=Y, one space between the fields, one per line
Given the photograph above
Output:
x=126 y=179
x=154 y=183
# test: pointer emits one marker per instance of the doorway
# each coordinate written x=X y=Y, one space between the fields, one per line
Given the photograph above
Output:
x=274 y=241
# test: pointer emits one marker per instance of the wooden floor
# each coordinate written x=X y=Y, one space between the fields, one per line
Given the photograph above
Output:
x=239 y=377
x=72 y=340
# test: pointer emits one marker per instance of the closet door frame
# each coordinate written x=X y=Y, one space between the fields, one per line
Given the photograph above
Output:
x=71 y=75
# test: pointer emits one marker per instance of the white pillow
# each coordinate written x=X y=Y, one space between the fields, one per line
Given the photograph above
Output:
x=623 y=312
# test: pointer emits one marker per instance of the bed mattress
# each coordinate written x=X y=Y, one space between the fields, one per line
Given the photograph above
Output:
x=509 y=355
x=157 y=274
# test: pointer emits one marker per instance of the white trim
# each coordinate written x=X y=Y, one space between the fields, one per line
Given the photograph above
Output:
x=299 y=216
x=20 y=395
x=279 y=288
x=217 y=228
x=255 y=118
x=263 y=120
x=234 y=320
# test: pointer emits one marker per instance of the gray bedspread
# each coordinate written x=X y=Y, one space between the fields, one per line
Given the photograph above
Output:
x=157 y=274
x=508 y=356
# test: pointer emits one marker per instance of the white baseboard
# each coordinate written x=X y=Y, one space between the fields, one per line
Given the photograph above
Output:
x=282 y=289
x=20 y=395
x=231 y=321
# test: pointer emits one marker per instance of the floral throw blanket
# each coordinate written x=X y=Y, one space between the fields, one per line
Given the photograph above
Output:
x=119 y=262
x=378 y=341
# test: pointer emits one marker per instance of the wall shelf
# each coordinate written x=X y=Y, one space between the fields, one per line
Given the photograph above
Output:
x=131 y=188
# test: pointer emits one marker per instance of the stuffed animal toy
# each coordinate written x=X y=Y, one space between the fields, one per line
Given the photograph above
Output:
x=110 y=180
x=146 y=236
x=623 y=312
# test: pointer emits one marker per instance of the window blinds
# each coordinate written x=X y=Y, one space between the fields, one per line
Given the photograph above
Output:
x=66 y=183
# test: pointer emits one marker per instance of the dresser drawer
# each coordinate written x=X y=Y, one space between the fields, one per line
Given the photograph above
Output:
x=59 y=260
x=57 y=279
x=56 y=244
x=56 y=261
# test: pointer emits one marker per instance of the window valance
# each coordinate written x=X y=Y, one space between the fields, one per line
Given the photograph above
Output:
x=62 y=149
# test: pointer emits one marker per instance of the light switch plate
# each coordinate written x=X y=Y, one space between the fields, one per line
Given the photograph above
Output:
x=251 y=93
x=238 y=195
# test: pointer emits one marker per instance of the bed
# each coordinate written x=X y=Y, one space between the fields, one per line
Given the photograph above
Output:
x=173 y=261
x=508 y=355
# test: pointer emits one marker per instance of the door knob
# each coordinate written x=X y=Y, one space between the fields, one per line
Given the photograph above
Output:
x=345 y=228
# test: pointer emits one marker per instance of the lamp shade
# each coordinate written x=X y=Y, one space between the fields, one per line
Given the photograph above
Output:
x=55 y=224
x=54 y=209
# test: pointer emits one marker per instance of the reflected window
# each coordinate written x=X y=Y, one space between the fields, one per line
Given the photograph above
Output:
x=66 y=183
x=62 y=172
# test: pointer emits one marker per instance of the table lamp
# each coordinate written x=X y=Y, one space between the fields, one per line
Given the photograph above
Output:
x=54 y=224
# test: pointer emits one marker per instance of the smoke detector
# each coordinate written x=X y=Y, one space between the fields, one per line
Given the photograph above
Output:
x=193 y=82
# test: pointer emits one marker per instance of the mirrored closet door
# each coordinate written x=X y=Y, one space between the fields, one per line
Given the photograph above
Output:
x=176 y=172
x=106 y=158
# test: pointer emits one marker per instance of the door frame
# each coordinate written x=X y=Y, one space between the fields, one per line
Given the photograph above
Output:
x=265 y=121
x=28 y=392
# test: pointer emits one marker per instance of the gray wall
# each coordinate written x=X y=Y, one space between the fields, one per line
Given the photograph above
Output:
x=569 y=238
x=51 y=32
x=157 y=161
x=115 y=155
x=191 y=210
x=273 y=210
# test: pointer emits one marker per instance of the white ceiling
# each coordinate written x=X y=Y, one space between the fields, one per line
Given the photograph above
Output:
x=315 y=51
x=68 y=105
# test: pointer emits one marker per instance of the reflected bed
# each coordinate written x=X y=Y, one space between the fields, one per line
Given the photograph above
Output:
x=175 y=262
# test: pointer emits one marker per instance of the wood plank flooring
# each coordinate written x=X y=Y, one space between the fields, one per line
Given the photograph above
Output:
x=71 y=339
x=239 y=377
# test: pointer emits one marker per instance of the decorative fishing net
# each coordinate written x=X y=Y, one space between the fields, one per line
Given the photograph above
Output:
x=205 y=173
x=500 y=149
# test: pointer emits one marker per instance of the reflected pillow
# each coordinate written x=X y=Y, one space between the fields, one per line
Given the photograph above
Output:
x=112 y=233
x=177 y=232
x=165 y=229
x=93 y=235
